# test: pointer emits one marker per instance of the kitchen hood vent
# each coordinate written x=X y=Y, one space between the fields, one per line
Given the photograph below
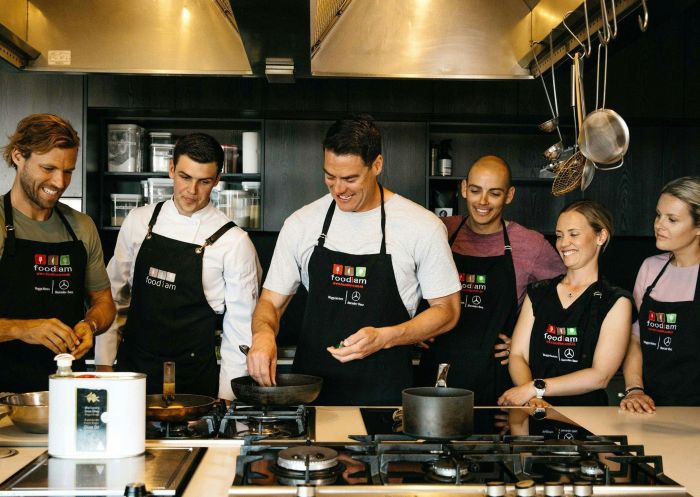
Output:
x=464 y=39
x=14 y=50
x=136 y=36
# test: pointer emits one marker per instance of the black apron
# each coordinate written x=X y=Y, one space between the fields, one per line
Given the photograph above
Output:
x=38 y=280
x=169 y=316
x=669 y=333
x=563 y=340
x=489 y=306
x=348 y=292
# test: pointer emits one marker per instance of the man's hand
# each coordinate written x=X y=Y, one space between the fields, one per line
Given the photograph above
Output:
x=518 y=396
x=638 y=401
x=83 y=331
x=262 y=359
x=51 y=333
x=502 y=349
x=366 y=341
x=103 y=368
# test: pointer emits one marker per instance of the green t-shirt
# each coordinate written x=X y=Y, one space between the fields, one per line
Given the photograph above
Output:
x=53 y=230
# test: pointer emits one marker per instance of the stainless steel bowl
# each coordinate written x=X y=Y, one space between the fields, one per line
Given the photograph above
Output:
x=29 y=411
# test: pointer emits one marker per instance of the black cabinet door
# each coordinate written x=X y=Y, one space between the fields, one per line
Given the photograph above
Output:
x=294 y=164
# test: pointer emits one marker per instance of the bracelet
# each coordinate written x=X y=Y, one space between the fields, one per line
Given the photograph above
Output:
x=92 y=324
x=632 y=389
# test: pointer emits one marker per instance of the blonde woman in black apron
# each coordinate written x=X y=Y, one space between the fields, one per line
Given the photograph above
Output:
x=662 y=365
x=573 y=330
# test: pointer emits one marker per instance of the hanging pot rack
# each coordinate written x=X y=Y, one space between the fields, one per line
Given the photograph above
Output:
x=578 y=27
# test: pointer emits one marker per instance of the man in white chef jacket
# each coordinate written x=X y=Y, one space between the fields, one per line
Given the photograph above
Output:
x=179 y=267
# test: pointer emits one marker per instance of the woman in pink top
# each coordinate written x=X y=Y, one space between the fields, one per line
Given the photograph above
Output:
x=663 y=360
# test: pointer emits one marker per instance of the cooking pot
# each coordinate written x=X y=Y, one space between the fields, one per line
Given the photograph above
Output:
x=290 y=389
x=181 y=407
x=438 y=413
x=28 y=411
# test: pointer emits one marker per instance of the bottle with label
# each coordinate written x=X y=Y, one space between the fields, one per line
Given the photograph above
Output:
x=445 y=159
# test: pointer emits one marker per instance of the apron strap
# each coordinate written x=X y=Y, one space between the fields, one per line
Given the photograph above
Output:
x=213 y=238
x=453 y=236
x=658 y=276
x=153 y=219
x=331 y=211
x=9 y=226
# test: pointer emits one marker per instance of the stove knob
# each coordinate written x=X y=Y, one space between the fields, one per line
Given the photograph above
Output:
x=553 y=489
x=135 y=490
x=495 y=489
x=525 y=488
x=583 y=489
x=306 y=490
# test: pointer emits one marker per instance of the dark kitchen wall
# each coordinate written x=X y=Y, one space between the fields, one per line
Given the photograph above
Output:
x=653 y=83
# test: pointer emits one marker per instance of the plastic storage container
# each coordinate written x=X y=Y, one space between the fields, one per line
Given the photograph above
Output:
x=221 y=185
x=161 y=153
x=122 y=204
x=234 y=203
x=253 y=189
x=157 y=189
x=124 y=146
x=161 y=137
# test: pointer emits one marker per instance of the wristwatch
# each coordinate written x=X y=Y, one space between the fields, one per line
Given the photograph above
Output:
x=91 y=323
x=540 y=386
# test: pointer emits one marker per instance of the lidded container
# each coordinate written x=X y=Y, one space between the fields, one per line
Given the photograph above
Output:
x=253 y=188
x=122 y=204
x=158 y=189
x=96 y=415
x=234 y=203
x=161 y=137
x=124 y=145
x=230 y=159
x=161 y=153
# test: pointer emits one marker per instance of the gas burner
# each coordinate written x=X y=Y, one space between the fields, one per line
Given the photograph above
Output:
x=307 y=457
x=566 y=465
x=4 y=453
x=445 y=469
x=199 y=428
x=265 y=430
x=307 y=464
x=590 y=470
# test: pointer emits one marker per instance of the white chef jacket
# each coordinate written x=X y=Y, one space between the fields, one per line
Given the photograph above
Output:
x=231 y=276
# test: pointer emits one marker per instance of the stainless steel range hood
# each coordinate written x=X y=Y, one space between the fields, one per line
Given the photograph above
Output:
x=136 y=36
x=466 y=39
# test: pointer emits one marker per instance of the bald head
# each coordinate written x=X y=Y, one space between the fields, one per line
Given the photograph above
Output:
x=491 y=164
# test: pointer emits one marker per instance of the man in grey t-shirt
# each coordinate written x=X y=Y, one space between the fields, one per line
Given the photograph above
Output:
x=366 y=255
x=49 y=259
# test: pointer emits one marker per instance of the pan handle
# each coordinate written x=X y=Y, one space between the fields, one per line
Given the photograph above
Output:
x=441 y=381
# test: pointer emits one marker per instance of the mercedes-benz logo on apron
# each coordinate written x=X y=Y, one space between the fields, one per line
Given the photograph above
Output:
x=569 y=353
x=63 y=284
x=667 y=341
x=569 y=436
x=476 y=300
x=355 y=296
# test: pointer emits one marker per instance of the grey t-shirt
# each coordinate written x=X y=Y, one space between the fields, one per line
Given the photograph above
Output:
x=53 y=230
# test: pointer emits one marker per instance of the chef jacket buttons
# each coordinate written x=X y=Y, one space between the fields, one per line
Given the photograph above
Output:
x=192 y=354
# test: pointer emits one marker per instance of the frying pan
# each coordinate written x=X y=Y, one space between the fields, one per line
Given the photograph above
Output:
x=291 y=389
x=183 y=407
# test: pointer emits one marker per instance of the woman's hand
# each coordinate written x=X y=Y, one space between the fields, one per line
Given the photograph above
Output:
x=638 y=401
x=518 y=396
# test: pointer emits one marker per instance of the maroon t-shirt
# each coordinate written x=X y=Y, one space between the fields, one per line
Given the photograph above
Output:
x=534 y=257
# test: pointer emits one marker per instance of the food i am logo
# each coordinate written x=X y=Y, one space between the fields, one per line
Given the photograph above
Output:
x=472 y=281
x=351 y=276
x=663 y=322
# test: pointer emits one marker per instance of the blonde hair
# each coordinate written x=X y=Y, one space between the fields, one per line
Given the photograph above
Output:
x=39 y=133
x=687 y=190
x=597 y=215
